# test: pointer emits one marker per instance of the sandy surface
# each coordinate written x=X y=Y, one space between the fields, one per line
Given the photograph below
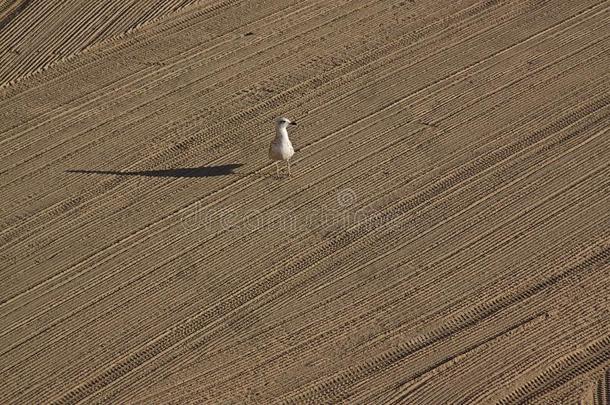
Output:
x=444 y=238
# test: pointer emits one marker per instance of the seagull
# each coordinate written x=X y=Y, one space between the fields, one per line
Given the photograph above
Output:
x=281 y=147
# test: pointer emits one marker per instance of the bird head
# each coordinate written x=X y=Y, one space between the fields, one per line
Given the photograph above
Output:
x=284 y=122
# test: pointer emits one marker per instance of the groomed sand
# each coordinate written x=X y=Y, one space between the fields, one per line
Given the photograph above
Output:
x=444 y=238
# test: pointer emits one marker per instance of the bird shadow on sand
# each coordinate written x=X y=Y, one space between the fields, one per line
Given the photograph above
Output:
x=203 y=171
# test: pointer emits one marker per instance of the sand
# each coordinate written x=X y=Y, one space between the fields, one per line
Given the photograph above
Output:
x=444 y=237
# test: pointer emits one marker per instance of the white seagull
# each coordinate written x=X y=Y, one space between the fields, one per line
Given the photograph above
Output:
x=281 y=147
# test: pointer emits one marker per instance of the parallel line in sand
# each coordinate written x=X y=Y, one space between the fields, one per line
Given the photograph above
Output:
x=194 y=385
x=520 y=372
x=372 y=261
x=476 y=314
x=574 y=117
x=519 y=295
x=362 y=266
x=519 y=326
x=508 y=48
x=499 y=226
x=395 y=333
x=33 y=57
x=189 y=56
x=564 y=369
x=444 y=78
x=406 y=389
x=446 y=219
x=558 y=261
x=142 y=35
x=113 y=100
x=276 y=369
x=503 y=241
x=107 y=92
x=558 y=341
x=9 y=11
x=76 y=37
x=430 y=282
x=194 y=47
x=398 y=394
x=275 y=300
x=600 y=133
x=338 y=393
x=458 y=317
x=524 y=265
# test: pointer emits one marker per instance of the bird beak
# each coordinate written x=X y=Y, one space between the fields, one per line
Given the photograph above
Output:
x=293 y=123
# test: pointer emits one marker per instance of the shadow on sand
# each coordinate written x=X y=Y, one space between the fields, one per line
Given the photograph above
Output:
x=203 y=171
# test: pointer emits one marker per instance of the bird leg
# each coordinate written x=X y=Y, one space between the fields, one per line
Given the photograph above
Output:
x=277 y=169
x=288 y=167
